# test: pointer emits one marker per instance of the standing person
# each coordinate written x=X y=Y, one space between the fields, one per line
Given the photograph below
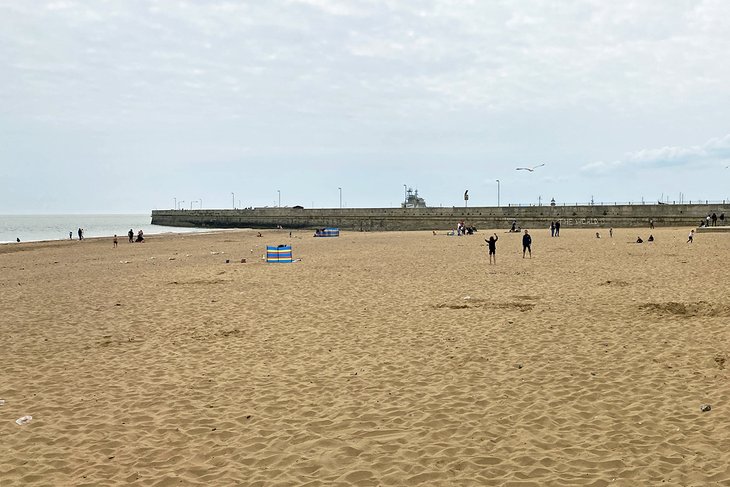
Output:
x=116 y=242
x=690 y=237
x=722 y=218
x=526 y=243
x=610 y=232
x=651 y=223
x=707 y=220
x=130 y=234
x=714 y=219
x=81 y=233
x=492 y=244
x=557 y=228
x=70 y=235
x=552 y=229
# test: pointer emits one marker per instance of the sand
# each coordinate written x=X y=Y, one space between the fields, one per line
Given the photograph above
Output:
x=387 y=359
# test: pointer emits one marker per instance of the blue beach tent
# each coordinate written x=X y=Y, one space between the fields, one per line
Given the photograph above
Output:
x=279 y=253
x=327 y=232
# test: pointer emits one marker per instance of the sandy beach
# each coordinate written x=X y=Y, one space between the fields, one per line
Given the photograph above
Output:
x=390 y=359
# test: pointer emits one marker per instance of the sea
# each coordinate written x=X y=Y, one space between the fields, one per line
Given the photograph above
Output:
x=35 y=228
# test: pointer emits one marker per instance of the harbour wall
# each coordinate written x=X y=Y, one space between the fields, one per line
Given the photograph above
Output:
x=379 y=219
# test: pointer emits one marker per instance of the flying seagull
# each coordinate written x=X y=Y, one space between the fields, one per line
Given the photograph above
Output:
x=528 y=168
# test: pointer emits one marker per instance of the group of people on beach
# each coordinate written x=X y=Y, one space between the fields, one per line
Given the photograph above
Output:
x=711 y=220
x=492 y=246
x=130 y=236
x=555 y=228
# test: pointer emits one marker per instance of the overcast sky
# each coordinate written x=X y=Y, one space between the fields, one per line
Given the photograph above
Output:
x=127 y=106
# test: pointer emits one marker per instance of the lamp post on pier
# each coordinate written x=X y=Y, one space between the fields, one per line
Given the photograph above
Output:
x=340 y=196
x=233 y=200
x=497 y=192
x=279 y=191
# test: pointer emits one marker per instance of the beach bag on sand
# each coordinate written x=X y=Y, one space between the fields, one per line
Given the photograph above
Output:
x=279 y=253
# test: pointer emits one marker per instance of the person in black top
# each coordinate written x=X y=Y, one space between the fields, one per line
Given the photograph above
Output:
x=526 y=242
x=492 y=244
x=130 y=234
x=557 y=228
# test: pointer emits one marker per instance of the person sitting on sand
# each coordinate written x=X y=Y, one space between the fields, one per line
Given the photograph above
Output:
x=651 y=238
x=492 y=244
x=639 y=240
x=140 y=237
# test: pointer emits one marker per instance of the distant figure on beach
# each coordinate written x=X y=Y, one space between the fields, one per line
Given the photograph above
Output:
x=707 y=220
x=557 y=228
x=552 y=229
x=492 y=244
x=526 y=244
x=610 y=232
x=70 y=235
x=714 y=219
x=116 y=241
x=639 y=240
x=514 y=226
x=722 y=218
x=651 y=238
x=651 y=223
x=259 y=235
x=130 y=234
x=434 y=232
x=598 y=235
x=691 y=236
x=140 y=237
x=17 y=239
x=81 y=233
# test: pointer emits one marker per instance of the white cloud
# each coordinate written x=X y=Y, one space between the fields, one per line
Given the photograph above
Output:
x=715 y=150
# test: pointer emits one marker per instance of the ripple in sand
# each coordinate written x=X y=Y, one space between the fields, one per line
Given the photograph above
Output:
x=699 y=308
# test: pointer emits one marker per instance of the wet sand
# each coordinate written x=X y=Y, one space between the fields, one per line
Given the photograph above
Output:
x=378 y=359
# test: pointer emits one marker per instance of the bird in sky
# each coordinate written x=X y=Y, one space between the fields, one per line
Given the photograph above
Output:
x=529 y=168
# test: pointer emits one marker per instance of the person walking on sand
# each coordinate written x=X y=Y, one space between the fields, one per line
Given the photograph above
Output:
x=691 y=236
x=81 y=233
x=116 y=241
x=492 y=244
x=557 y=228
x=552 y=229
x=526 y=243
x=610 y=232
x=130 y=234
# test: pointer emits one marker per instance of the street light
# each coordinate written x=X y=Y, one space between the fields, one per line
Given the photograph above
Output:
x=340 y=197
x=233 y=200
x=175 y=201
x=279 y=191
x=405 y=193
x=497 y=193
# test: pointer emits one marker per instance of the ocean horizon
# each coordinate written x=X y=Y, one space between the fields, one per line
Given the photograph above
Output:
x=36 y=228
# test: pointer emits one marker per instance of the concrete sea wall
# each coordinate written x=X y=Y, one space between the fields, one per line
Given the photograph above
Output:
x=374 y=219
